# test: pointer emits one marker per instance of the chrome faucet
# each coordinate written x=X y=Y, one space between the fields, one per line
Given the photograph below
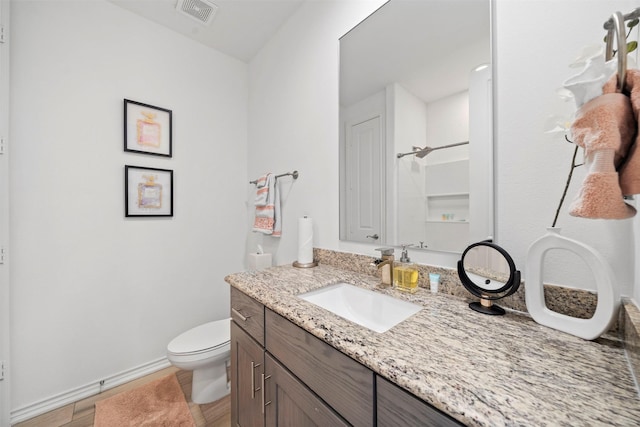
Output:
x=385 y=263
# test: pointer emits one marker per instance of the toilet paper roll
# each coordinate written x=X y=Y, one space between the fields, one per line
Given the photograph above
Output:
x=259 y=261
x=305 y=240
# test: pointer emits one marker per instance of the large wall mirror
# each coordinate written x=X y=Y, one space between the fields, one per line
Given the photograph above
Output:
x=416 y=114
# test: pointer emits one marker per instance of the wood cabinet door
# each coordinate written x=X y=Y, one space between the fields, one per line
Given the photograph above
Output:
x=398 y=408
x=344 y=384
x=289 y=403
x=247 y=368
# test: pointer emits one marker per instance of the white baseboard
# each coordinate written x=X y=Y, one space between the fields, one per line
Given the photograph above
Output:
x=79 y=393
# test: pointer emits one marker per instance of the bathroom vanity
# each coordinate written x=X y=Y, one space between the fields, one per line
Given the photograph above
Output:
x=446 y=365
x=313 y=373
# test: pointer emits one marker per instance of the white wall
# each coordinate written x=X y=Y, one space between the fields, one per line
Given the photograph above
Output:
x=448 y=123
x=93 y=293
x=5 y=402
x=294 y=117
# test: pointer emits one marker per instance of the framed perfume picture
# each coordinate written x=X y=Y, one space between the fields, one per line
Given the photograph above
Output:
x=148 y=191
x=147 y=129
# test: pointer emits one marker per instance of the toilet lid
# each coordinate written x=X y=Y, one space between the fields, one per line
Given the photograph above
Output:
x=201 y=338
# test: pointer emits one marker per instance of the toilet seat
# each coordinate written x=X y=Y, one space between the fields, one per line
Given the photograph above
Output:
x=205 y=338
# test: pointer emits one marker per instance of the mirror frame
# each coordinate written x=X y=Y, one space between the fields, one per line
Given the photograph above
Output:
x=488 y=296
x=511 y=285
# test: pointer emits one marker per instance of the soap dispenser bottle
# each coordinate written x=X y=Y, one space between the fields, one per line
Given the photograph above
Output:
x=405 y=273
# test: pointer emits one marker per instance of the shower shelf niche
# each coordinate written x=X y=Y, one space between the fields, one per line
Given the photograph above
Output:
x=456 y=205
x=446 y=206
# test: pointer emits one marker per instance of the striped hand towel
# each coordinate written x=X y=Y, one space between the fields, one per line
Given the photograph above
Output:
x=267 y=203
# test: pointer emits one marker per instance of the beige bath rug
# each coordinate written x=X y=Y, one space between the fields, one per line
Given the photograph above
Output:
x=158 y=403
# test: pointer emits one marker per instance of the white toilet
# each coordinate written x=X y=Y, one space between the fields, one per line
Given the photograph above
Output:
x=205 y=350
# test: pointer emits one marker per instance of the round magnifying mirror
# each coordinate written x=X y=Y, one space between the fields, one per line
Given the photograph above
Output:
x=489 y=273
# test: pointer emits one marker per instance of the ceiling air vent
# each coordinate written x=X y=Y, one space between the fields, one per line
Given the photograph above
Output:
x=202 y=11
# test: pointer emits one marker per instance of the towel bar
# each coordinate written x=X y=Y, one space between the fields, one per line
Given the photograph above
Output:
x=294 y=174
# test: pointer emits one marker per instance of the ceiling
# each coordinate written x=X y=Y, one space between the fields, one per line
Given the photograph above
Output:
x=429 y=47
x=240 y=28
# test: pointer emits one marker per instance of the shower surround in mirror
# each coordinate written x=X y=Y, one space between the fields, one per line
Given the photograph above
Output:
x=395 y=101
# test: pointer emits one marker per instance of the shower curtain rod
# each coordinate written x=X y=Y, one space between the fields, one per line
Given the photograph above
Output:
x=421 y=152
x=294 y=174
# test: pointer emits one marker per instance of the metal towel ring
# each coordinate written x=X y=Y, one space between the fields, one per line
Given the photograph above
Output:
x=616 y=24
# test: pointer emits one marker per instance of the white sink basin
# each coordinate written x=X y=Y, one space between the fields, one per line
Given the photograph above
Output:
x=373 y=310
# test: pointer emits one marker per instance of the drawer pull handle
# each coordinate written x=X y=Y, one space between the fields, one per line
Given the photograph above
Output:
x=264 y=378
x=237 y=313
x=253 y=379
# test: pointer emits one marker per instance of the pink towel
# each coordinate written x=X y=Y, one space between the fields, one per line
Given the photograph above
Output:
x=605 y=128
x=629 y=166
x=267 y=203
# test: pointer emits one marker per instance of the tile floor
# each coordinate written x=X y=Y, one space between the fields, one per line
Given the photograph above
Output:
x=80 y=414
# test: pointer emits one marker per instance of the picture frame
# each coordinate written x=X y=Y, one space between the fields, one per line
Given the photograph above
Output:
x=147 y=129
x=148 y=191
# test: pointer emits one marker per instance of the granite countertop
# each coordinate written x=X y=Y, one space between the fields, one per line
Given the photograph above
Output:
x=482 y=370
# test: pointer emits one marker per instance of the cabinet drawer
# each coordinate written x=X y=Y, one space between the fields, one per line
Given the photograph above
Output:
x=398 y=408
x=340 y=381
x=248 y=314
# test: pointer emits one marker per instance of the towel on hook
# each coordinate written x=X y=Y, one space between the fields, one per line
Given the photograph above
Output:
x=267 y=204
x=605 y=128
x=629 y=167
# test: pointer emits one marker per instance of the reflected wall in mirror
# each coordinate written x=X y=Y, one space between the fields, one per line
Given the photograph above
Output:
x=416 y=76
